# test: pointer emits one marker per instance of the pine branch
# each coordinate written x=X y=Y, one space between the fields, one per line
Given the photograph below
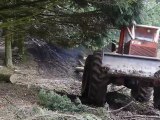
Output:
x=20 y=4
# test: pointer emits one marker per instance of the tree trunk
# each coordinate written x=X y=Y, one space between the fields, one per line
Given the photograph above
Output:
x=21 y=46
x=8 y=49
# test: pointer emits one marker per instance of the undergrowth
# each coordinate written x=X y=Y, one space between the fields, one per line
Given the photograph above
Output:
x=61 y=103
x=54 y=101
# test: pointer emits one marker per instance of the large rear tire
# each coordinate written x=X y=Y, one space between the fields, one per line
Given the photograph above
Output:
x=141 y=94
x=86 y=77
x=97 y=84
x=156 y=98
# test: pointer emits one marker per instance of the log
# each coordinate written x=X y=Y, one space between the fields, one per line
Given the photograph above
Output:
x=5 y=74
x=79 y=69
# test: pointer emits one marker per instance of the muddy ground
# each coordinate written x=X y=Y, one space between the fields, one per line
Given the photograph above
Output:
x=53 y=68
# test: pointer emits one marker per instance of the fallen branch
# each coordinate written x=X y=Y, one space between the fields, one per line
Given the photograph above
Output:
x=142 y=116
x=53 y=115
x=11 y=103
x=81 y=63
x=121 y=108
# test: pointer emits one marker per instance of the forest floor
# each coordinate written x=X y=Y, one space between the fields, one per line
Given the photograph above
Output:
x=53 y=69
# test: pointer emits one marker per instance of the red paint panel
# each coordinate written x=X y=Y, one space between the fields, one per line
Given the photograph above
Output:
x=141 y=48
x=121 y=40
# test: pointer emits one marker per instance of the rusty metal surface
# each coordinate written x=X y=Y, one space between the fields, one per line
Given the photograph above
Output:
x=133 y=66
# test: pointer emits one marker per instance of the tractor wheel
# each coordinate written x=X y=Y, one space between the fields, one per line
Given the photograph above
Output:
x=97 y=84
x=156 y=98
x=86 y=77
x=141 y=94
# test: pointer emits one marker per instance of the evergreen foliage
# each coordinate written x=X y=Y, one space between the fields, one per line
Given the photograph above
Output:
x=69 y=22
x=150 y=13
x=53 y=101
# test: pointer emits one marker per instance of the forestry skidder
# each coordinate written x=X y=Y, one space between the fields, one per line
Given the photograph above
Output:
x=134 y=65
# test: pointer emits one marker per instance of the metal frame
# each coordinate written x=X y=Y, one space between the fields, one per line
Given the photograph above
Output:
x=130 y=65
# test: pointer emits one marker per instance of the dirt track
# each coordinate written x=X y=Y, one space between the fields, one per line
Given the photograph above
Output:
x=13 y=99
